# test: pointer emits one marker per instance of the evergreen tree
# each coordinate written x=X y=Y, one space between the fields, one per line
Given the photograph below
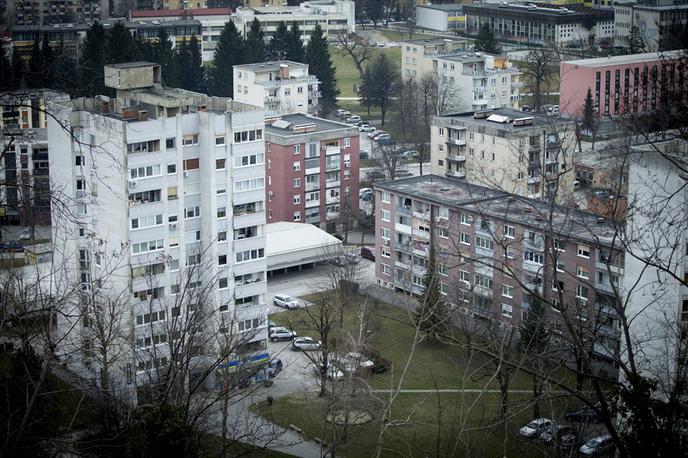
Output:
x=320 y=64
x=165 y=55
x=18 y=70
x=47 y=63
x=229 y=52
x=432 y=314
x=65 y=71
x=5 y=71
x=34 y=79
x=636 y=43
x=120 y=45
x=295 y=51
x=193 y=77
x=366 y=88
x=486 y=41
x=590 y=122
x=375 y=11
x=534 y=339
x=277 y=48
x=255 y=43
x=92 y=61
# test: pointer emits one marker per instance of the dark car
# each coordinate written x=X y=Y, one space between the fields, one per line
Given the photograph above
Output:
x=402 y=174
x=368 y=253
x=602 y=445
x=375 y=175
x=586 y=414
x=15 y=247
x=363 y=155
x=563 y=436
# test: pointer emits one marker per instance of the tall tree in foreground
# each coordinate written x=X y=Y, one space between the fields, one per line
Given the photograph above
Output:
x=18 y=70
x=277 y=48
x=590 y=122
x=533 y=342
x=539 y=69
x=357 y=47
x=35 y=66
x=320 y=64
x=381 y=85
x=165 y=55
x=47 y=75
x=228 y=53
x=432 y=314
x=486 y=41
x=5 y=71
x=120 y=46
x=255 y=43
x=92 y=60
x=295 y=50
x=193 y=76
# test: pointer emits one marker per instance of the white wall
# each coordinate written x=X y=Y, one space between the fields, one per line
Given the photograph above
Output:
x=430 y=18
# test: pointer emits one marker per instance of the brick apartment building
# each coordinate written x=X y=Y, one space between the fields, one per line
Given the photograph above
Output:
x=312 y=170
x=495 y=255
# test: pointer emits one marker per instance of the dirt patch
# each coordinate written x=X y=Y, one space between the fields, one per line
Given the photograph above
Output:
x=350 y=417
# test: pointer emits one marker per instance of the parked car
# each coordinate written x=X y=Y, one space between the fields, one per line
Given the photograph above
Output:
x=357 y=358
x=585 y=414
x=333 y=373
x=364 y=191
x=274 y=367
x=408 y=155
x=376 y=134
x=25 y=234
x=15 y=247
x=340 y=112
x=363 y=155
x=601 y=445
x=305 y=343
x=366 y=128
x=536 y=427
x=283 y=300
x=353 y=119
x=375 y=175
x=558 y=435
x=525 y=108
x=368 y=253
x=360 y=123
x=372 y=134
x=281 y=333
x=402 y=173
x=383 y=139
x=367 y=197
x=553 y=110
x=271 y=324
x=345 y=259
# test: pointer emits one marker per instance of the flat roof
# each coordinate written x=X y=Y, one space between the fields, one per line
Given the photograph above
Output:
x=500 y=205
x=627 y=59
x=444 y=7
x=434 y=41
x=271 y=66
x=290 y=244
x=297 y=119
x=562 y=14
x=137 y=64
x=190 y=12
x=539 y=120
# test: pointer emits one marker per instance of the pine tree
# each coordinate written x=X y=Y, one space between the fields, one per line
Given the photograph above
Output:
x=534 y=339
x=432 y=314
x=18 y=70
x=366 y=88
x=65 y=71
x=120 y=45
x=320 y=64
x=636 y=43
x=295 y=51
x=255 y=43
x=47 y=63
x=5 y=71
x=165 y=55
x=590 y=121
x=277 y=48
x=380 y=86
x=229 y=52
x=194 y=75
x=34 y=79
x=486 y=41
x=92 y=61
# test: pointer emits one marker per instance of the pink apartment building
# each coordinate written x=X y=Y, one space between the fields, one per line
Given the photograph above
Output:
x=620 y=84
x=312 y=170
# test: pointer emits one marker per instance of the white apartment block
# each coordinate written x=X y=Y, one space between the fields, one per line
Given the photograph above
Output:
x=506 y=149
x=654 y=22
x=477 y=82
x=417 y=56
x=280 y=87
x=335 y=17
x=168 y=191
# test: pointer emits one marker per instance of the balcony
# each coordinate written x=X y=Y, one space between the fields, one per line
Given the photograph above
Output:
x=457 y=141
x=480 y=102
x=332 y=150
x=614 y=269
x=403 y=228
x=533 y=179
x=402 y=265
x=605 y=286
x=330 y=166
x=312 y=186
x=533 y=267
x=406 y=211
x=271 y=98
x=402 y=246
x=420 y=252
x=331 y=200
x=424 y=215
x=456 y=157
x=456 y=173
x=421 y=235
x=312 y=203
x=332 y=183
x=313 y=219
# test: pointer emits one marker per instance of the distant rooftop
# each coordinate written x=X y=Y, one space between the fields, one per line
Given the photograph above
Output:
x=272 y=66
x=138 y=64
x=503 y=114
x=627 y=59
x=190 y=12
x=568 y=222
x=317 y=125
x=444 y=7
x=559 y=14
x=434 y=41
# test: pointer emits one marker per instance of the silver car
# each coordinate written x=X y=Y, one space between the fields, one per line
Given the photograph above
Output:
x=283 y=300
x=305 y=344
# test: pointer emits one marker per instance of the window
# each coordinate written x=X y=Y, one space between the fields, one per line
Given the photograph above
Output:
x=146 y=247
x=222 y=236
x=582 y=272
x=484 y=242
x=251 y=159
x=296 y=167
x=509 y=232
x=297 y=182
x=249 y=255
x=386 y=197
x=385 y=215
x=507 y=310
x=509 y=253
x=507 y=291
x=297 y=149
x=171 y=168
x=223 y=283
x=347 y=142
x=144 y=172
x=220 y=140
x=143 y=147
x=170 y=142
x=582 y=292
x=248 y=185
x=443 y=212
x=220 y=164
x=248 y=136
x=385 y=233
x=466 y=219
x=465 y=238
x=191 y=164
x=297 y=199
x=297 y=216
x=188 y=140
x=559 y=245
x=146 y=221
x=222 y=212
x=531 y=256
x=172 y=192
x=444 y=289
x=443 y=232
x=464 y=276
x=483 y=281
x=192 y=212
x=584 y=251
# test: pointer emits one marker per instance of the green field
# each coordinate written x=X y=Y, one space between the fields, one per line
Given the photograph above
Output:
x=347 y=74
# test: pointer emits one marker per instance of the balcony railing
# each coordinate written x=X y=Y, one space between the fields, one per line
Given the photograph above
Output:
x=406 y=211
x=456 y=157
x=456 y=173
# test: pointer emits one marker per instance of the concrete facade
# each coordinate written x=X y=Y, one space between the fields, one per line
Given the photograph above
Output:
x=654 y=22
x=312 y=170
x=620 y=84
x=442 y=18
x=417 y=56
x=490 y=149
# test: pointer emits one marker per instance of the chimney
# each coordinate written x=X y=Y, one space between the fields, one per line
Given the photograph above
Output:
x=284 y=71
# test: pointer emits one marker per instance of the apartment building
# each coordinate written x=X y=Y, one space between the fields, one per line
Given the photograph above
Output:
x=655 y=22
x=25 y=188
x=551 y=26
x=506 y=149
x=496 y=253
x=335 y=17
x=442 y=17
x=71 y=36
x=212 y=22
x=280 y=87
x=417 y=56
x=619 y=85
x=168 y=188
x=312 y=169
x=45 y=12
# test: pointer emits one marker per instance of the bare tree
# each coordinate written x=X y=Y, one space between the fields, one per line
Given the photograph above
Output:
x=357 y=47
x=539 y=69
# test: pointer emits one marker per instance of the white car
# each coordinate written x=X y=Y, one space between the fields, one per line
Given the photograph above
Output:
x=359 y=359
x=351 y=362
x=332 y=373
x=340 y=112
x=25 y=234
x=353 y=119
x=283 y=300
x=305 y=343
x=366 y=128
x=281 y=333
x=536 y=427
x=374 y=133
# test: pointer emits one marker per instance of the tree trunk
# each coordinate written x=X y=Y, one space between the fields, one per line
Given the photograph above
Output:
x=504 y=397
x=537 y=389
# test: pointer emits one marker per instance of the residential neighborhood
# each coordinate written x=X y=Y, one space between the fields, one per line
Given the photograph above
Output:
x=343 y=228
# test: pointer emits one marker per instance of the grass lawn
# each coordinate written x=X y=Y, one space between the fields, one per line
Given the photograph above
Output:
x=463 y=424
x=347 y=74
x=439 y=365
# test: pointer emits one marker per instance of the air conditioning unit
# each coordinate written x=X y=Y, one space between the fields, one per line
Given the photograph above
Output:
x=132 y=184
x=173 y=226
x=186 y=174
